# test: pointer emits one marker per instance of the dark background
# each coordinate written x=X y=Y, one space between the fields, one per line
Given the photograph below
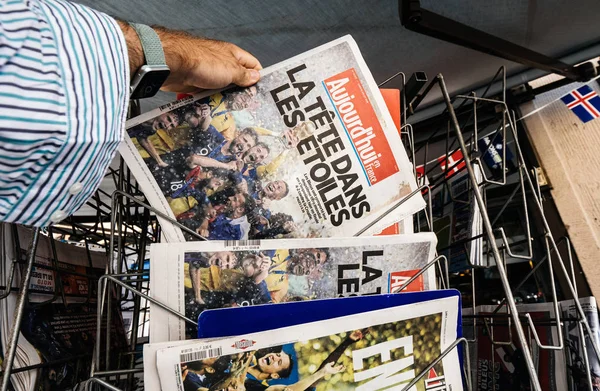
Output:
x=274 y=30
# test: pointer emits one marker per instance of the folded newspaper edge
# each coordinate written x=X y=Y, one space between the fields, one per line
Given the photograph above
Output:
x=169 y=355
x=387 y=261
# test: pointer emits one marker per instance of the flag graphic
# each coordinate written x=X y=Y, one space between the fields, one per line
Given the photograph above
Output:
x=455 y=162
x=584 y=102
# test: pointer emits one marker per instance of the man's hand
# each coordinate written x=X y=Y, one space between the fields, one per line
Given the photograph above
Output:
x=184 y=372
x=195 y=63
x=204 y=111
x=263 y=270
x=331 y=369
x=356 y=335
x=290 y=139
x=235 y=165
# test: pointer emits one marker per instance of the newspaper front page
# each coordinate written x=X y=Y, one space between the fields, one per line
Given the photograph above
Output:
x=194 y=276
x=372 y=351
x=310 y=151
x=499 y=367
x=579 y=350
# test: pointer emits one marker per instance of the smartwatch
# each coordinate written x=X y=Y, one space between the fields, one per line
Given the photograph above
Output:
x=150 y=77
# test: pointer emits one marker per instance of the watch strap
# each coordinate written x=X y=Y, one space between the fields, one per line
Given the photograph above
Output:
x=153 y=50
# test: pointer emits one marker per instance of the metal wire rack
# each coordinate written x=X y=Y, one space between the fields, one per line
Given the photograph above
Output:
x=124 y=226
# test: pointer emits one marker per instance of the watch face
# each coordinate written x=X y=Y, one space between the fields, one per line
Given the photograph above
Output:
x=148 y=81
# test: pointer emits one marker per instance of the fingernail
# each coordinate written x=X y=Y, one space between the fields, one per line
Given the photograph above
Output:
x=254 y=75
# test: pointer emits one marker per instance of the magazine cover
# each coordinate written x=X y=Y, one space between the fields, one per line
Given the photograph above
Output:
x=577 y=346
x=502 y=366
x=222 y=322
x=195 y=276
x=377 y=350
x=310 y=151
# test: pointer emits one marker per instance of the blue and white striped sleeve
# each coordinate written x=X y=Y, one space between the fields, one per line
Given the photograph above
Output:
x=64 y=83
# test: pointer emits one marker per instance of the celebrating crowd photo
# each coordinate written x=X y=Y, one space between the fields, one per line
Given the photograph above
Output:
x=217 y=171
x=226 y=278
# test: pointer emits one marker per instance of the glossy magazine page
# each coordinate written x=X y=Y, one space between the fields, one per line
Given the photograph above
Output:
x=194 y=276
x=310 y=151
x=377 y=350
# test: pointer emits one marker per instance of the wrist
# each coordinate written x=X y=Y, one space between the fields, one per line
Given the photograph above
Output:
x=135 y=52
x=172 y=42
x=168 y=39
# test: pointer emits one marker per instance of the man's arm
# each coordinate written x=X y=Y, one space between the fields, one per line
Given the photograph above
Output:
x=195 y=63
x=149 y=147
x=203 y=161
x=66 y=58
x=196 y=277
x=337 y=353
x=355 y=336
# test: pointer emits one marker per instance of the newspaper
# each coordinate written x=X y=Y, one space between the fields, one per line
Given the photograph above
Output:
x=457 y=219
x=310 y=151
x=578 y=349
x=194 y=276
x=372 y=351
x=501 y=366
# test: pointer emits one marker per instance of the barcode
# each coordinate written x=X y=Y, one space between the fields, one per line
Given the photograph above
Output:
x=200 y=355
x=164 y=107
x=174 y=105
x=241 y=243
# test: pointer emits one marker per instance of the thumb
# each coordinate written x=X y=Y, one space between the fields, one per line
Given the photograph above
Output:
x=246 y=77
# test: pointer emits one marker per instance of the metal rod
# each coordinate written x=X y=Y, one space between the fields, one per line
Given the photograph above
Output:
x=423 y=270
x=425 y=22
x=392 y=208
x=119 y=371
x=555 y=306
x=9 y=358
x=149 y=298
x=492 y=242
x=137 y=300
x=563 y=269
x=102 y=383
x=439 y=358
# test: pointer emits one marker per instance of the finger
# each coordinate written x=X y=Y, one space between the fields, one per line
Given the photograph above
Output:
x=246 y=59
x=245 y=77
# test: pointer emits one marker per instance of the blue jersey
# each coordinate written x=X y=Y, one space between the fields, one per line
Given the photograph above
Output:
x=222 y=229
x=193 y=381
x=204 y=143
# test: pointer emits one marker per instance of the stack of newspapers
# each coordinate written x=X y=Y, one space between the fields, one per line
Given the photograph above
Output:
x=294 y=201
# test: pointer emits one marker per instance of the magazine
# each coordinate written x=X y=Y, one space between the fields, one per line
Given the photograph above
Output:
x=59 y=322
x=496 y=155
x=309 y=151
x=194 y=276
x=577 y=347
x=502 y=367
x=372 y=351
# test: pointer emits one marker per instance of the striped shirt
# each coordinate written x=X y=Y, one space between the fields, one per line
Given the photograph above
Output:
x=64 y=84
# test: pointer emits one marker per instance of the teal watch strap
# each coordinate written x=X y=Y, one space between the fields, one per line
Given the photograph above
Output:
x=153 y=50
